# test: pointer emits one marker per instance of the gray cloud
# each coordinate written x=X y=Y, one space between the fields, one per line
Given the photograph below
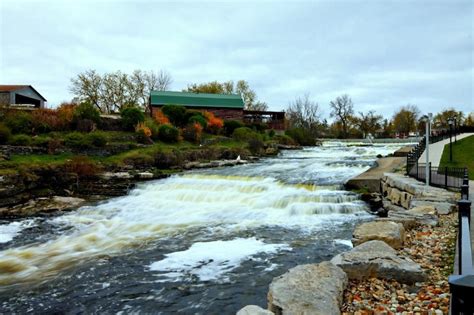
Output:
x=384 y=54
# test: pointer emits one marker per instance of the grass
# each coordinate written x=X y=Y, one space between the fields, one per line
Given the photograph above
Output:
x=463 y=155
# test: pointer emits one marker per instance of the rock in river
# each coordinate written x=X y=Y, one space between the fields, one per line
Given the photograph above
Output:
x=253 y=310
x=308 y=289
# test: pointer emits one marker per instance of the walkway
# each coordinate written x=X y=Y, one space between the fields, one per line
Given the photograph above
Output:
x=436 y=150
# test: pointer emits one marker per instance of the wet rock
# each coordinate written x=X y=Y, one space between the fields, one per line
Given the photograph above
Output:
x=43 y=205
x=374 y=200
x=253 y=310
x=116 y=175
x=145 y=175
x=308 y=289
x=289 y=147
x=390 y=232
x=376 y=259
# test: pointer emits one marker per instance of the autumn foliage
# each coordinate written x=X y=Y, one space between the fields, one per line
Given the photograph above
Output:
x=214 y=124
x=160 y=118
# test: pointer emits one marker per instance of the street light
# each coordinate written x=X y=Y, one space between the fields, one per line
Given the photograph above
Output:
x=427 y=119
x=450 y=122
x=455 y=129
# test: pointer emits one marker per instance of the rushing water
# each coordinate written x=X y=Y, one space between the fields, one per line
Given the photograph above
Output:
x=203 y=242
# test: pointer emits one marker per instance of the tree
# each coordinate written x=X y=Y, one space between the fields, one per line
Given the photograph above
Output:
x=405 y=120
x=241 y=87
x=342 y=109
x=440 y=120
x=303 y=113
x=114 y=91
x=87 y=88
x=469 y=121
x=368 y=123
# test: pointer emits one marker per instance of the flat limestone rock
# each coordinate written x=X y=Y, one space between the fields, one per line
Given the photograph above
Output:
x=315 y=289
x=253 y=310
x=441 y=206
x=390 y=232
x=376 y=259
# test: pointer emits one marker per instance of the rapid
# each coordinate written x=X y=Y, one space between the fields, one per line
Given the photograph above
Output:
x=206 y=241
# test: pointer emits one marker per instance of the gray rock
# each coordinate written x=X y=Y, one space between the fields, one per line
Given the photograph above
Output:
x=442 y=207
x=145 y=175
x=379 y=260
x=308 y=289
x=118 y=175
x=253 y=310
x=390 y=232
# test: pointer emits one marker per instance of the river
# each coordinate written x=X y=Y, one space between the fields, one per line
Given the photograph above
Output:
x=202 y=242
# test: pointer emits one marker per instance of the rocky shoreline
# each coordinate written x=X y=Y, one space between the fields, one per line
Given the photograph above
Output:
x=399 y=264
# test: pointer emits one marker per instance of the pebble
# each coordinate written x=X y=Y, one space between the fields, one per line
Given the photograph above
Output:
x=428 y=246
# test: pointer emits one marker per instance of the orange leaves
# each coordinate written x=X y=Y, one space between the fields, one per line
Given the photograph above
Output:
x=141 y=128
x=214 y=124
x=160 y=118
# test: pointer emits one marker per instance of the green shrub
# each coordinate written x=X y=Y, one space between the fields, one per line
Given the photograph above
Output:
x=19 y=122
x=20 y=140
x=86 y=111
x=260 y=127
x=97 y=139
x=41 y=141
x=193 y=133
x=198 y=119
x=255 y=146
x=284 y=139
x=192 y=112
x=245 y=134
x=5 y=134
x=271 y=133
x=301 y=136
x=175 y=113
x=75 y=140
x=167 y=133
x=139 y=159
x=231 y=125
x=153 y=126
x=131 y=116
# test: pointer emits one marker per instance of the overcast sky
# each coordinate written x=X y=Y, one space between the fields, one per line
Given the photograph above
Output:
x=384 y=54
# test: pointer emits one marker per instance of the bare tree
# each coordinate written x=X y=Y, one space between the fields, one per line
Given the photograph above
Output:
x=113 y=91
x=342 y=109
x=303 y=113
x=368 y=123
x=86 y=87
x=163 y=81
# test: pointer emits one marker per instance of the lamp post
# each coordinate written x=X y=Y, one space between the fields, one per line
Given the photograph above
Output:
x=450 y=122
x=455 y=129
x=427 y=120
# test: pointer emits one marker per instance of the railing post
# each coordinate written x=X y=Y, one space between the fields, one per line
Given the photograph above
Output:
x=464 y=206
x=446 y=177
x=429 y=174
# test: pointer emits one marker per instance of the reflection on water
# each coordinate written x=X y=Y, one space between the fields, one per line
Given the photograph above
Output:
x=196 y=230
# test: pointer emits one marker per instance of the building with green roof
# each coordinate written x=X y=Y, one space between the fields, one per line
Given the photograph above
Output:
x=225 y=106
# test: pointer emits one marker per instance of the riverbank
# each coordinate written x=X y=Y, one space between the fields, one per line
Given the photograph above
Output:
x=44 y=187
x=399 y=264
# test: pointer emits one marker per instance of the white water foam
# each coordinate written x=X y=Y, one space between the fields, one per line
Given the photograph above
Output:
x=9 y=231
x=212 y=260
x=344 y=242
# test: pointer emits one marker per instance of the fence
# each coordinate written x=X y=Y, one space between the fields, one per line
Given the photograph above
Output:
x=444 y=177
x=462 y=285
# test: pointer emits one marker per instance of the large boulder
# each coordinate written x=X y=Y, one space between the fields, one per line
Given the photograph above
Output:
x=390 y=232
x=442 y=206
x=253 y=310
x=410 y=219
x=375 y=259
x=308 y=289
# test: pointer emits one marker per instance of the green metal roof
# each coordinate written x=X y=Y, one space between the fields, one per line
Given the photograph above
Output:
x=159 y=98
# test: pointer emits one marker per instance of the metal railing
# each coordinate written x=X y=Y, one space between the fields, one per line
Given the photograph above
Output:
x=462 y=285
x=444 y=177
